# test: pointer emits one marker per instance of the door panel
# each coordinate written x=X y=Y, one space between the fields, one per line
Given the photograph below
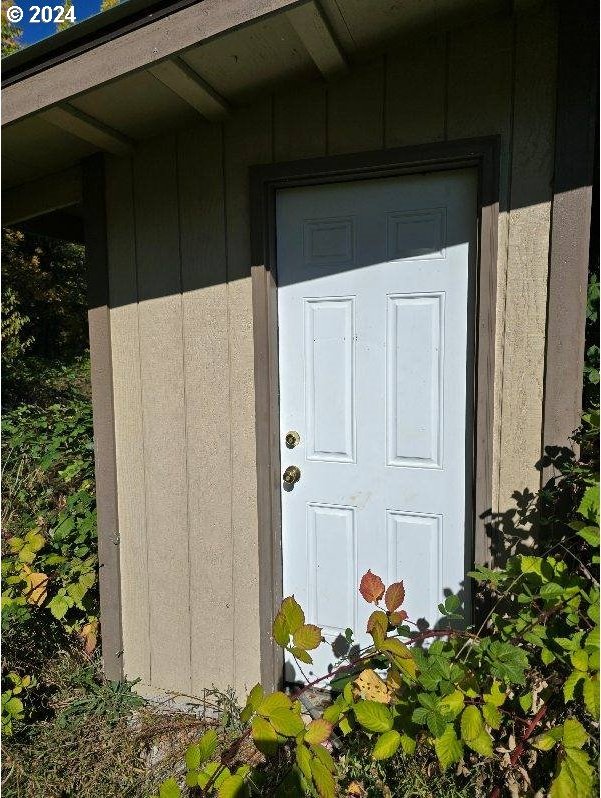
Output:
x=375 y=300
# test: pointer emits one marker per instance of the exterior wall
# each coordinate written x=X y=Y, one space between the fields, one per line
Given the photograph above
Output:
x=181 y=320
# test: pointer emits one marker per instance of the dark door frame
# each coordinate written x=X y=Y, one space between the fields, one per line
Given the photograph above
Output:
x=481 y=154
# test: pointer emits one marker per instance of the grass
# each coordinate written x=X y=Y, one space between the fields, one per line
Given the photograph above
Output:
x=405 y=777
x=97 y=740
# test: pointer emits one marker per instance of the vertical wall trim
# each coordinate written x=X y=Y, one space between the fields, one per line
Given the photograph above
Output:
x=577 y=87
x=104 y=415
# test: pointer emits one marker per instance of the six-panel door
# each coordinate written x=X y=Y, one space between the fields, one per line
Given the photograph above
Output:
x=375 y=297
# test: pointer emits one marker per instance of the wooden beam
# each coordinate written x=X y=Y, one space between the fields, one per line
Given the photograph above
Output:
x=57 y=224
x=187 y=84
x=316 y=34
x=41 y=196
x=137 y=49
x=85 y=127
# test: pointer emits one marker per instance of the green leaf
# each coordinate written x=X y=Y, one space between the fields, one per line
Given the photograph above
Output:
x=547 y=740
x=590 y=534
x=448 y=748
x=192 y=757
x=492 y=716
x=526 y=702
x=408 y=744
x=496 y=696
x=273 y=702
x=377 y=626
x=209 y=772
x=552 y=590
x=452 y=704
x=574 y=735
x=232 y=787
x=58 y=606
x=589 y=506
x=293 y=613
x=482 y=744
x=207 y=745
x=324 y=781
x=386 y=745
x=301 y=655
x=590 y=693
x=401 y=656
x=373 y=716
x=333 y=712
x=303 y=760
x=318 y=731
x=575 y=776
x=324 y=757
x=547 y=656
x=436 y=723
x=471 y=723
x=169 y=789
x=286 y=722
x=579 y=660
x=253 y=701
x=281 y=631
x=570 y=684
x=255 y=696
x=264 y=736
x=507 y=662
x=308 y=636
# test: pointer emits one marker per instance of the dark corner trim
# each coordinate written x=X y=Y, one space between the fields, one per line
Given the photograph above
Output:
x=104 y=415
x=575 y=131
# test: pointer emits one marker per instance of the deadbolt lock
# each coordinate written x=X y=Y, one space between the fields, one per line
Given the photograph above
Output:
x=292 y=439
x=291 y=475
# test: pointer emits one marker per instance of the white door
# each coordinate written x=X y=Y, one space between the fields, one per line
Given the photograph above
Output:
x=374 y=305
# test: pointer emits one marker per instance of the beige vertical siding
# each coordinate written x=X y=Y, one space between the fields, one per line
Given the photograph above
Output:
x=182 y=325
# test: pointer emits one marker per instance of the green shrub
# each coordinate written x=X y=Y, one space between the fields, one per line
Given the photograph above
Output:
x=515 y=700
x=50 y=563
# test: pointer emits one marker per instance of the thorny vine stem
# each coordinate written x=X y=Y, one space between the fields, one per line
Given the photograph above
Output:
x=519 y=749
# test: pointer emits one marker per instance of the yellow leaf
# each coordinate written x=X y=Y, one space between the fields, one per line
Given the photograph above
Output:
x=356 y=790
x=371 y=687
x=37 y=583
x=401 y=655
x=89 y=635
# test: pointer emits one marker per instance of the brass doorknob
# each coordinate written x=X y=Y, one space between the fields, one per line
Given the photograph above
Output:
x=292 y=439
x=291 y=475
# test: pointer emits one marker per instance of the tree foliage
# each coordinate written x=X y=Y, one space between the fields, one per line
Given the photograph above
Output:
x=11 y=33
x=44 y=307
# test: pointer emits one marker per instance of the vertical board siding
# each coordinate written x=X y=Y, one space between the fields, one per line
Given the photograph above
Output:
x=480 y=103
x=163 y=406
x=416 y=91
x=309 y=104
x=184 y=356
x=248 y=141
x=129 y=439
x=529 y=230
x=356 y=110
x=207 y=381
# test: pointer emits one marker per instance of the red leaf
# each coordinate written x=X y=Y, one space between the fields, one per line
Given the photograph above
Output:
x=398 y=617
x=395 y=595
x=371 y=587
